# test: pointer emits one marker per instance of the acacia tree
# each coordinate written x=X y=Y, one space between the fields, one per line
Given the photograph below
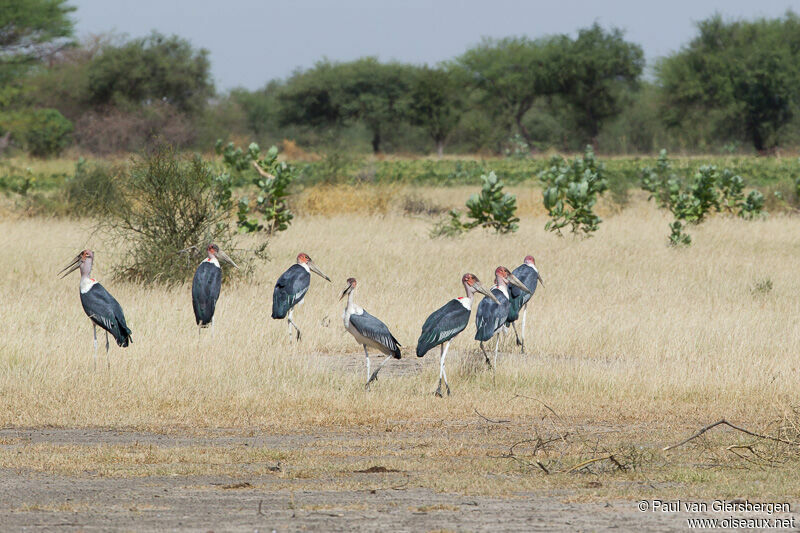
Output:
x=511 y=73
x=435 y=103
x=153 y=68
x=741 y=77
x=600 y=68
x=334 y=94
x=29 y=31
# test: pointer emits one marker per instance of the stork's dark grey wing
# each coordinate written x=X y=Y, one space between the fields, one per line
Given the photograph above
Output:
x=106 y=312
x=205 y=292
x=517 y=297
x=443 y=324
x=289 y=290
x=373 y=329
x=491 y=316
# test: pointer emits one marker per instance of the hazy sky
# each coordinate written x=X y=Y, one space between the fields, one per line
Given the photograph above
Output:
x=253 y=41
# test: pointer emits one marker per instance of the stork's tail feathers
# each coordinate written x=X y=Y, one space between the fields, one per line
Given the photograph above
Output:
x=396 y=349
x=124 y=336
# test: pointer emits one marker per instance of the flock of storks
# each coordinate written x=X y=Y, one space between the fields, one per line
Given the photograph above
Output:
x=500 y=307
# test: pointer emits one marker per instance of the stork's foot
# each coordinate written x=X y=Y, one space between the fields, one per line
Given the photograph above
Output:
x=373 y=377
x=298 y=335
x=447 y=387
x=438 y=391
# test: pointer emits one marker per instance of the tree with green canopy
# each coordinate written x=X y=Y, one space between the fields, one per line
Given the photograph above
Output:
x=29 y=31
x=511 y=73
x=363 y=90
x=153 y=68
x=600 y=69
x=435 y=103
x=740 y=77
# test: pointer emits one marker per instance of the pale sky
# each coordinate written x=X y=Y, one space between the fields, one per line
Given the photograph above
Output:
x=253 y=41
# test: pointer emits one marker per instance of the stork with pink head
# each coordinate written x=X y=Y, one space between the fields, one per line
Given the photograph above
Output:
x=101 y=308
x=492 y=314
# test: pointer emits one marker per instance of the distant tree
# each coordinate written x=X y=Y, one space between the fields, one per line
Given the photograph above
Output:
x=364 y=90
x=153 y=68
x=512 y=73
x=29 y=31
x=436 y=103
x=601 y=68
x=741 y=77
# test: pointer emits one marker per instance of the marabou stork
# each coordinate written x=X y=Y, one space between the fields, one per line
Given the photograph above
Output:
x=448 y=321
x=206 y=285
x=368 y=330
x=491 y=317
x=291 y=287
x=101 y=308
x=528 y=274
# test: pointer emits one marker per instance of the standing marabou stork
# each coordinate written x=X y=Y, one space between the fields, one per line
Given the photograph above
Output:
x=448 y=321
x=491 y=317
x=206 y=285
x=101 y=308
x=528 y=274
x=291 y=287
x=368 y=330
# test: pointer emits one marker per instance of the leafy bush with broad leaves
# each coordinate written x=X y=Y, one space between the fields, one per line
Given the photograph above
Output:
x=492 y=208
x=571 y=190
x=272 y=180
x=692 y=201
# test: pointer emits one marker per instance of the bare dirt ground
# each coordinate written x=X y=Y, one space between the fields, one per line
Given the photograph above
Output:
x=90 y=501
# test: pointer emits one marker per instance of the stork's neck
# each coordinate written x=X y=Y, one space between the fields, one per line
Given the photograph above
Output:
x=502 y=285
x=308 y=269
x=469 y=290
x=86 y=269
x=213 y=260
x=351 y=300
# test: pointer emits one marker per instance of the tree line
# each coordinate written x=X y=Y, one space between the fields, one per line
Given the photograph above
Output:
x=735 y=87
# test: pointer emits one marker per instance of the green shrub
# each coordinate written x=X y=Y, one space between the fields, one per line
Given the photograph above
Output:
x=709 y=190
x=47 y=133
x=492 y=208
x=92 y=189
x=571 y=191
x=166 y=210
x=272 y=180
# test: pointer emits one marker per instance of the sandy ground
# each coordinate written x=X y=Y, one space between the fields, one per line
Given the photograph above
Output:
x=36 y=501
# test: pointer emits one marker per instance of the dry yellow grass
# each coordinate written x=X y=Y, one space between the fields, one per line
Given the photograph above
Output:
x=628 y=334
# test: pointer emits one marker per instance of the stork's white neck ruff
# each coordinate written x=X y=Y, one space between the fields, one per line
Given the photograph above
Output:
x=305 y=266
x=502 y=288
x=466 y=301
x=87 y=283
x=213 y=260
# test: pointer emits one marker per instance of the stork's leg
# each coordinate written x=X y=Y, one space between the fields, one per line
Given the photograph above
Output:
x=516 y=334
x=212 y=327
x=291 y=323
x=366 y=355
x=524 y=316
x=442 y=373
x=94 y=358
x=486 y=356
x=374 y=375
x=108 y=359
x=496 y=347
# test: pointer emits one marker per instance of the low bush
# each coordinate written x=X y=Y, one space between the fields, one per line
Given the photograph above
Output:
x=166 y=210
x=571 y=191
x=492 y=208
x=92 y=189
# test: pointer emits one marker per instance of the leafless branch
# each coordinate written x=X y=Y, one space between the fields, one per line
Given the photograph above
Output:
x=490 y=420
x=737 y=428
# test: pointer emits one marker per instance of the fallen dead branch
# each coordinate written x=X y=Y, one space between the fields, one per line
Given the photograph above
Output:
x=611 y=458
x=490 y=420
x=737 y=428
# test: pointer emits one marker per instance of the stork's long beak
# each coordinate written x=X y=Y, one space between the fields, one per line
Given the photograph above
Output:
x=515 y=280
x=74 y=265
x=315 y=269
x=480 y=288
x=222 y=255
x=541 y=280
x=346 y=291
